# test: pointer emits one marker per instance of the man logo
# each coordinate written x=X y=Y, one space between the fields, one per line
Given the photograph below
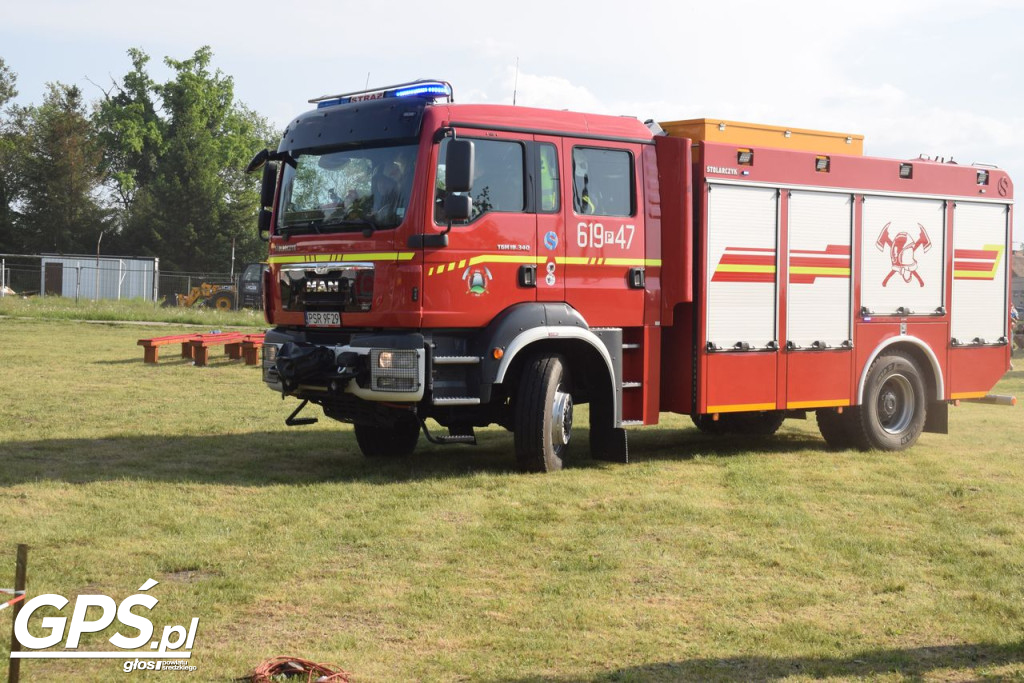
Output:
x=323 y=286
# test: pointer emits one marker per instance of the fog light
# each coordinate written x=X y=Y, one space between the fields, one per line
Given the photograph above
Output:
x=396 y=384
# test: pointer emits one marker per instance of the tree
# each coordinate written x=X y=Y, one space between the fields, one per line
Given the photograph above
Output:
x=190 y=206
x=59 y=174
x=9 y=155
x=130 y=133
x=7 y=80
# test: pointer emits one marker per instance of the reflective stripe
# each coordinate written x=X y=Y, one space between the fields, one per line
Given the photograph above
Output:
x=800 y=405
x=741 y=408
x=327 y=258
x=961 y=395
x=437 y=269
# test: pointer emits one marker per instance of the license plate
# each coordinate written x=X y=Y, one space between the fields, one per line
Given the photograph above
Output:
x=323 y=319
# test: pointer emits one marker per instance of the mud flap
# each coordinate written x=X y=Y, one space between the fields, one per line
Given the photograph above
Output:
x=607 y=442
x=611 y=446
x=936 y=420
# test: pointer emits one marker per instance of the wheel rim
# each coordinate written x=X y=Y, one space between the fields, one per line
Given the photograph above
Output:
x=223 y=304
x=896 y=404
x=561 y=419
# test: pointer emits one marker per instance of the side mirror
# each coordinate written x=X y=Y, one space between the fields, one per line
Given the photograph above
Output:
x=458 y=166
x=263 y=224
x=458 y=207
x=269 y=186
x=258 y=160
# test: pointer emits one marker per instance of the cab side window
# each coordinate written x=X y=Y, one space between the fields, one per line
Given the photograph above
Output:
x=498 y=181
x=602 y=182
x=548 y=200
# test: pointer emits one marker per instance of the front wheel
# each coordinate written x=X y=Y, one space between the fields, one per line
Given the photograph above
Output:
x=892 y=415
x=224 y=301
x=543 y=419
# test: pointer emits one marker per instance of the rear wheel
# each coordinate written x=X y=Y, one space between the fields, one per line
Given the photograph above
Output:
x=838 y=429
x=893 y=413
x=760 y=423
x=543 y=420
x=396 y=441
x=709 y=425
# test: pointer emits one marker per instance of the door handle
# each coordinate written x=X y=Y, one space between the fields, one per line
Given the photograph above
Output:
x=636 y=278
x=528 y=275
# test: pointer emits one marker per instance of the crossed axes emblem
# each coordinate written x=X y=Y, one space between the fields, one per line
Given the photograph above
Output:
x=902 y=252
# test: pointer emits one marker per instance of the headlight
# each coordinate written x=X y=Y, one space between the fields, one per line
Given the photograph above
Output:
x=269 y=353
x=397 y=360
x=394 y=371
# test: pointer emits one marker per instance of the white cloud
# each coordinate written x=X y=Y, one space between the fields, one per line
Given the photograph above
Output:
x=934 y=76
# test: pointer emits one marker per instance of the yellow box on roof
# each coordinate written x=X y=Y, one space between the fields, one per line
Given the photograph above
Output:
x=758 y=135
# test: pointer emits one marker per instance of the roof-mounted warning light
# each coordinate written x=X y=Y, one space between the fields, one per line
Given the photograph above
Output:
x=424 y=89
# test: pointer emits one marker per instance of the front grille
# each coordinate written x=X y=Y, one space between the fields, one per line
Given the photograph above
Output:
x=347 y=288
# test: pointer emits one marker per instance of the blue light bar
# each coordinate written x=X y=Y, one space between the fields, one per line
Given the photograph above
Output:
x=431 y=90
x=424 y=89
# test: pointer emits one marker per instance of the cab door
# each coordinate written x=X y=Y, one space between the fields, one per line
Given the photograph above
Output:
x=605 y=244
x=478 y=274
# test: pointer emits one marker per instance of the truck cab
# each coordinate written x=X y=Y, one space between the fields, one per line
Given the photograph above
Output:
x=429 y=259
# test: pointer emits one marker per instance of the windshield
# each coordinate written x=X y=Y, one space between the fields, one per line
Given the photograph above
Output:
x=350 y=189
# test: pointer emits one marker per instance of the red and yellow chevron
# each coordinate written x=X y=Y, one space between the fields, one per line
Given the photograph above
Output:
x=806 y=266
x=739 y=264
x=977 y=264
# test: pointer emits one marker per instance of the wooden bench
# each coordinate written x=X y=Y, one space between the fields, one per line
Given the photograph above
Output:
x=152 y=346
x=247 y=347
x=200 y=344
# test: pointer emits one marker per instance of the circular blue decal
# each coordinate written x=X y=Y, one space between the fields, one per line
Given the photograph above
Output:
x=551 y=240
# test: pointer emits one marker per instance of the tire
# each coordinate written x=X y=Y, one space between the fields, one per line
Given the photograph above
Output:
x=222 y=302
x=396 y=441
x=838 y=428
x=709 y=426
x=894 y=408
x=543 y=419
x=761 y=423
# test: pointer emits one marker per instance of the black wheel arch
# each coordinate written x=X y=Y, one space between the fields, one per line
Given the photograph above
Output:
x=588 y=365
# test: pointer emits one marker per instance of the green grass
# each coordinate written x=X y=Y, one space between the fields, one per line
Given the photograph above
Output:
x=134 y=310
x=705 y=559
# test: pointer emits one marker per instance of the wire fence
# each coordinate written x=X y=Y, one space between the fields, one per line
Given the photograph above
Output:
x=112 y=277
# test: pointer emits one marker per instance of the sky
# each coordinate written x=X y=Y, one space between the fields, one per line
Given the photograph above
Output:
x=935 y=77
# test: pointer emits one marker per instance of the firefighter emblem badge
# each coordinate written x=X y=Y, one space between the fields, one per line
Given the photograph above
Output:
x=476 y=279
x=903 y=252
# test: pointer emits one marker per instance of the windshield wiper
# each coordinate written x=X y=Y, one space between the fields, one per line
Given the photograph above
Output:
x=314 y=225
x=368 y=225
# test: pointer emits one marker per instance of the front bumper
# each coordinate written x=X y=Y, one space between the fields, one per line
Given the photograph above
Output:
x=388 y=368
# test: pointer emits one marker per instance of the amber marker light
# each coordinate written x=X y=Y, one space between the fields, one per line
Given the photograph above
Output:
x=497 y=353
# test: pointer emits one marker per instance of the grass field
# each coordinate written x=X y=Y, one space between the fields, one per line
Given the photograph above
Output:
x=705 y=559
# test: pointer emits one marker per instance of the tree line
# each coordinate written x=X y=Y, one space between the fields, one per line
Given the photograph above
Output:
x=144 y=169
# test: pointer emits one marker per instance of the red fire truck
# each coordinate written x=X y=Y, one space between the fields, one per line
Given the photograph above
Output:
x=482 y=264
